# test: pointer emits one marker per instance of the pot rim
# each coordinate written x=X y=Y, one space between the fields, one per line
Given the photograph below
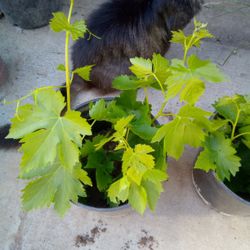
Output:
x=229 y=191
x=103 y=209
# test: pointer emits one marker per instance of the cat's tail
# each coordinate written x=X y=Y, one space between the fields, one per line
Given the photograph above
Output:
x=4 y=142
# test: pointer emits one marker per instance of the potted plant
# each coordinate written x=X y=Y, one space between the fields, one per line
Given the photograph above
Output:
x=115 y=150
x=225 y=157
x=29 y=14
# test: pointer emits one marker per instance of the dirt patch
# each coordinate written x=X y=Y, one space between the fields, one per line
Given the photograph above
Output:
x=89 y=238
x=127 y=245
x=147 y=241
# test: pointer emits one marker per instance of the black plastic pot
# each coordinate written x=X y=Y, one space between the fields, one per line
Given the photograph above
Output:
x=218 y=196
x=123 y=208
x=29 y=14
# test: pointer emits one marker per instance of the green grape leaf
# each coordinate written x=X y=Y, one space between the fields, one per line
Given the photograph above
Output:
x=78 y=29
x=178 y=37
x=137 y=198
x=188 y=81
x=84 y=72
x=104 y=176
x=155 y=175
x=127 y=99
x=121 y=126
x=153 y=191
x=119 y=190
x=229 y=106
x=192 y=91
x=106 y=111
x=104 y=167
x=125 y=82
x=59 y=186
x=50 y=134
x=245 y=131
x=33 y=117
x=141 y=67
x=160 y=67
x=61 y=67
x=205 y=69
x=200 y=32
x=218 y=123
x=219 y=155
x=160 y=156
x=59 y=22
x=135 y=162
x=186 y=129
x=90 y=146
x=189 y=121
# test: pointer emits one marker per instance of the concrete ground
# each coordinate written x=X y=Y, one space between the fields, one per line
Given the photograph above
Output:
x=181 y=221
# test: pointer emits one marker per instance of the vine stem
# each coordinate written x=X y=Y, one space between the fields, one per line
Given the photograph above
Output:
x=159 y=82
x=239 y=135
x=235 y=124
x=30 y=94
x=160 y=111
x=67 y=70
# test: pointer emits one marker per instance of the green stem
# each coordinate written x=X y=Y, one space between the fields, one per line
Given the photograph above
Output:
x=160 y=111
x=158 y=81
x=146 y=95
x=67 y=70
x=30 y=94
x=235 y=124
x=237 y=136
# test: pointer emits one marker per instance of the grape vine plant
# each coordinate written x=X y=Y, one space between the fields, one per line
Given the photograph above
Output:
x=63 y=156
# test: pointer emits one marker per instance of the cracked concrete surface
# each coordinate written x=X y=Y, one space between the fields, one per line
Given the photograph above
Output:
x=181 y=221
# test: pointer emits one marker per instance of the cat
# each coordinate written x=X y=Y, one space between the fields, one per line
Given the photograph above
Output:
x=127 y=28
x=134 y=28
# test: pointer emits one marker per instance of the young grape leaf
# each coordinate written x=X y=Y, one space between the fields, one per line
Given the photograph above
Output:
x=61 y=67
x=153 y=191
x=78 y=29
x=125 y=82
x=200 y=32
x=188 y=81
x=59 y=22
x=193 y=90
x=186 y=129
x=246 y=135
x=204 y=69
x=84 y=72
x=119 y=190
x=229 y=106
x=219 y=155
x=160 y=67
x=106 y=111
x=178 y=37
x=135 y=162
x=141 y=67
x=137 y=198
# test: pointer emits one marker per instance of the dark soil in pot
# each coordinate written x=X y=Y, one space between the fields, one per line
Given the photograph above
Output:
x=29 y=14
